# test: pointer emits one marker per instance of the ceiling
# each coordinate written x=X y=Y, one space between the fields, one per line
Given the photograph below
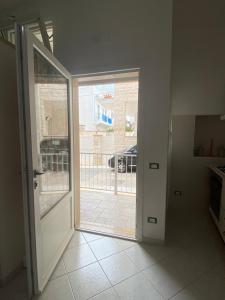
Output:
x=7 y=4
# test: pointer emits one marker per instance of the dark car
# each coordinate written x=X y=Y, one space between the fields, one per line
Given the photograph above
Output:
x=55 y=154
x=127 y=160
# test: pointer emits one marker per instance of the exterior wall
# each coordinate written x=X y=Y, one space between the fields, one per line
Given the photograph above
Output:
x=103 y=143
x=125 y=93
x=95 y=137
x=86 y=108
x=52 y=111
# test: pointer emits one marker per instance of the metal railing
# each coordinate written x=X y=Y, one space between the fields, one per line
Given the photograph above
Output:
x=55 y=162
x=56 y=172
x=98 y=171
x=109 y=172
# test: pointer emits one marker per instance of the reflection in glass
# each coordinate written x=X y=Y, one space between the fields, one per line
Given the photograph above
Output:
x=51 y=96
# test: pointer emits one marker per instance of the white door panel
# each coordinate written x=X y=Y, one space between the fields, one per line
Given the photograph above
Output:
x=55 y=231
x=46 y=106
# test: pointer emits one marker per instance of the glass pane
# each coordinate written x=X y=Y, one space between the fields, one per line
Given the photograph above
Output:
x=52 y=106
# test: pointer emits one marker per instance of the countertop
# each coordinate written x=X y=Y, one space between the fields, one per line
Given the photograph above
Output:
x=217 y=171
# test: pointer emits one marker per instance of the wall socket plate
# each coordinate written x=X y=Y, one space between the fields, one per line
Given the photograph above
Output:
x=154 y=165
x=152 y=220
x=177 y=193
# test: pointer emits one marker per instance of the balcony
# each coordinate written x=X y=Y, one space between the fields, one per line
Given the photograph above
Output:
x=104 y=119
x=107 y=191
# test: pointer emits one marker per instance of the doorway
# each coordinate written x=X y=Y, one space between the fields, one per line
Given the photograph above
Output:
x=108 y=121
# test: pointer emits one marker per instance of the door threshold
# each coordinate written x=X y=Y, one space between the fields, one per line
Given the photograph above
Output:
x=127 y=238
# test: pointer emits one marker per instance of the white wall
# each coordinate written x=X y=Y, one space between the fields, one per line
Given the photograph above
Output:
x=198 y=68
x=125 y=34
x=93 y=36
x=198 y=72
x=12 y=245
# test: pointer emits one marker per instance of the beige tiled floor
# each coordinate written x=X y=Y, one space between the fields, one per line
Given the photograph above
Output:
x=191 y=266
x=108 y=213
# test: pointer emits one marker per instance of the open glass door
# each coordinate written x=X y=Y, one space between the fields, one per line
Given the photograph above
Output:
x=46 y=132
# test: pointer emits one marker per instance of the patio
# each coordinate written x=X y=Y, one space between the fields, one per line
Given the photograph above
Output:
x=108 y=213
x=107 y=198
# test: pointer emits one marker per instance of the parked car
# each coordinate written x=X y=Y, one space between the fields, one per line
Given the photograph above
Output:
x=127 y=160
x=55 y=154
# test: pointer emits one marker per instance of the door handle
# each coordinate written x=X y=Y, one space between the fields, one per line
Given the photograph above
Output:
x=38 y=173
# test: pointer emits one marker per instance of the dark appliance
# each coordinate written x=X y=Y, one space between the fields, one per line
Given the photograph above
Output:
x=215 y=194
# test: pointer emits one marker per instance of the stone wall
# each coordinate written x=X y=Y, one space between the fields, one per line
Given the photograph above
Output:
x=125 y=93
x=124 y=102
x=52 y=109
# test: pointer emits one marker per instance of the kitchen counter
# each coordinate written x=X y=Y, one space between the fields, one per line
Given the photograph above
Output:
x=217 y=171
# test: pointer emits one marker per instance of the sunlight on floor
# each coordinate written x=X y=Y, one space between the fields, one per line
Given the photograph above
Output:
x=108 y=213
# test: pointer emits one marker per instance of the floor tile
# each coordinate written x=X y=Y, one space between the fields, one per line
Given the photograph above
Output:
x=108 y=246
x=167 y=282
x=137 y=287
x=59 y=270
x=76 y=240
x=108 y=212
x=58 y=289
x=208 y=287
x=78 y=257
x=88 y=282
x=206 y=254
x=125 y=244
x=141 y=256
x=104 y=247
x=212 y=283
x=118 y=267
x=109 y=294
x=144 y=256
x=90 y=237
x=174 y=273
x=188 y=294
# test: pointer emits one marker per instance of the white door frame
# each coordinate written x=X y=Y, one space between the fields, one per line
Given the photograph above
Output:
x=140 y=165
x=76 y=147
x=31 y=209
x=23 y=131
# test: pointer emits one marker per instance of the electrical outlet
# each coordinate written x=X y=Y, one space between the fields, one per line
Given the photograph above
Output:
x=177 y=193
x=152 y=220
x=154 y=165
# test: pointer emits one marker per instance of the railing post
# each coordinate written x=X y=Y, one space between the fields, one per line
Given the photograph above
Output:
x=116 y=173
